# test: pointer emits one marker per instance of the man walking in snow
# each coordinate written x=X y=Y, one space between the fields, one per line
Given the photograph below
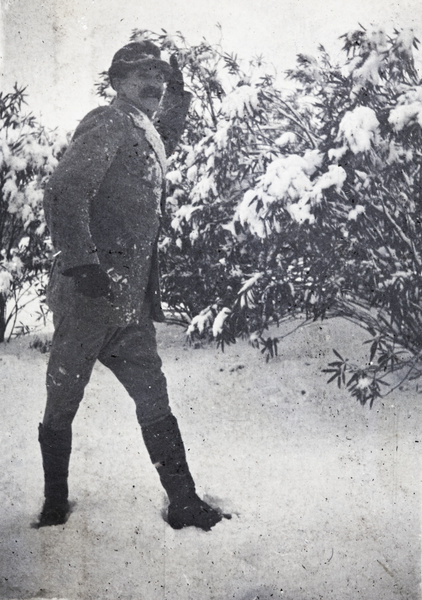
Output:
x=103 y=207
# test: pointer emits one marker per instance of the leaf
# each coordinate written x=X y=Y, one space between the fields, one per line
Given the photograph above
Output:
x=332 y=378
x=353 y=379
x=336 y=364
x=373 y=350
x=338 y=355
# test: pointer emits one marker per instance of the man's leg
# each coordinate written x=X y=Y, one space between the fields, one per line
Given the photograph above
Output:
x=75 y=347
x=132 y=356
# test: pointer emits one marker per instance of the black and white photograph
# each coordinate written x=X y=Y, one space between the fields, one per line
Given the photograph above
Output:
x=210 y=300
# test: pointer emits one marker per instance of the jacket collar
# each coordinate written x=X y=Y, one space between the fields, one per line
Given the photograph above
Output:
x=141 y=121
x=127 y=107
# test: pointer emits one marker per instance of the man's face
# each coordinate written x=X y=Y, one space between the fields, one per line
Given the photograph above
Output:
x=143 y=89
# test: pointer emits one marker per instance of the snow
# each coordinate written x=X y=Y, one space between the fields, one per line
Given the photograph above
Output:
x=378 y=37
x=9 y=268
x=247 y=214
x=348 y=68
x=365 y=68
x=60 y=139
x=290 y=175
x=184 y=213
x=404 y=114
x=363 y=383
x=369 y=71
x=217 y=326
x=164 y=243
x=287 y=180
x=242 y=100
x=355 y=212
x=26 y=146
x=286 y=138
x=199 y=322
x=246 y=292
x=17 y=163
x=27 y=215
x=325 y=494
x=408 y=109
x=222 y=136
x=10 y=188
x=21 y=149
x=301 y=212
x=405 y=41
x=41 y=228
x=34 y=194
x=249 y=283
x=194 y=235
x=192 y=172
x=6 y=279
x=286 y=176
x=175 y=177
x=358 y=128
x=203 y=188
x=334 y=177
x=209 y=150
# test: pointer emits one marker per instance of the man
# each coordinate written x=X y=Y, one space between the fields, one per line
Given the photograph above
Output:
x=103 y=206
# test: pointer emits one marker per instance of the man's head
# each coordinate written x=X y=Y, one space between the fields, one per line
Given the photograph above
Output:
x=138 y=74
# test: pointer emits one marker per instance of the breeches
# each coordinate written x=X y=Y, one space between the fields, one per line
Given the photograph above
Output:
x=131 y=354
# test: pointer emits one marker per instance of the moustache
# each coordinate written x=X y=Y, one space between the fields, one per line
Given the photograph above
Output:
x=151 y=92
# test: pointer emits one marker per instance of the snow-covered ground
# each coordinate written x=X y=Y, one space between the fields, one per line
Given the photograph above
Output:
x=325 y=494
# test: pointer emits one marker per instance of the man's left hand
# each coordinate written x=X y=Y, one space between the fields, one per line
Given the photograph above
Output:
x=175 y=84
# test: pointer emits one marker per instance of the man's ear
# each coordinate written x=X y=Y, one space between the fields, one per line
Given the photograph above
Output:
x=116 y=83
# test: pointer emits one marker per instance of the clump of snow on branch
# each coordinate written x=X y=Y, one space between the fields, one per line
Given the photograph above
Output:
x=355 y=212
x=286 y=138
x=9 y=268
x=184 y=213
x=28 y=155
x=205 y=186
x=289 y=182
x=240 y=101
x=6 y=279
x=358 y=129
x=201 y=322
x=408 y=109
x=217 y=327
x=368 y=72
x=174 y=176
x=246 y=292
x=222 y=135
x=405 y=42
x=286 y=180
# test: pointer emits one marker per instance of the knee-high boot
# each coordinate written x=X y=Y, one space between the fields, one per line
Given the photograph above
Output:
x=56 y=447
x=165 y=446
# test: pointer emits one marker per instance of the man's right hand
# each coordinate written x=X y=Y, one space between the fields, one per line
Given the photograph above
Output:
x=91 y=281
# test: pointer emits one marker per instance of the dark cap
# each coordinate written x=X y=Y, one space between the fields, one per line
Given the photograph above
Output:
x=137 y=56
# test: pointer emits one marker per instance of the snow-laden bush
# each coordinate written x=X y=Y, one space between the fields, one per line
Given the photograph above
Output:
x=305 y=201
x=27 y=156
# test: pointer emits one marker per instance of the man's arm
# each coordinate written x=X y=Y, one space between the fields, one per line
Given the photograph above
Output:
x=171 y=115
x=75 y=182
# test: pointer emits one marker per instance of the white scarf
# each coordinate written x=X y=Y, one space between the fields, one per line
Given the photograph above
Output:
x=151 y=134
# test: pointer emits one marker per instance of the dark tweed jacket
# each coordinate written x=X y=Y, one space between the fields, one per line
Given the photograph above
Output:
x=103 y=206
